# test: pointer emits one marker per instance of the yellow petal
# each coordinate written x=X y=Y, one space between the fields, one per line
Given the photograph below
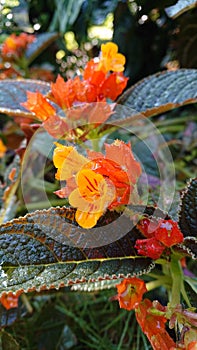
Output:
x=87 y=220
x=68 y=161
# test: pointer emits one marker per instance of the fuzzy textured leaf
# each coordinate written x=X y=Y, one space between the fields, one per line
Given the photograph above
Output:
x=188 y=247
x=13 y=93
x=187 y=40
x=179 y=8
x=46 y=249
x=159 y=93
x=188 y=212
x=40 y=44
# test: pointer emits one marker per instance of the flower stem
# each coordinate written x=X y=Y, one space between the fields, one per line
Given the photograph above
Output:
x=177 y=280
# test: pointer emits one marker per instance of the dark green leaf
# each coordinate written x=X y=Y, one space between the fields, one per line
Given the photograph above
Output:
x=180 y=7
x=188 y=212
x=13 y=92
x=7 y=342
x=159 y=93
x=187 y=40
x=40 y=44
x=149 y=5
x=46 y=249
x=188 y=247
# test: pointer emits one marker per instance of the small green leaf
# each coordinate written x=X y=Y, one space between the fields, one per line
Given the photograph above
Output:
x=180 y=7
x=13 y=93
x=41 y=42
x=46 y=249
x=188 y=212
x=157 y=94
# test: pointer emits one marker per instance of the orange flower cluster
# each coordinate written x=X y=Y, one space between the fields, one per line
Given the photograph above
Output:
x=152 y=316
x=97 y=182
x=15 y=45
x=153 y=326
x=160 y=234
x=102 y=79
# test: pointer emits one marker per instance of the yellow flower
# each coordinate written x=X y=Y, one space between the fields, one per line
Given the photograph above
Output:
x=91 y=197
x=110 y=59
x=3 y=149
x=68 y=161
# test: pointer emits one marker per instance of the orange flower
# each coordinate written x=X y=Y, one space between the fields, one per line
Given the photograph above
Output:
x=91 y=198
x=39 y=105
x=192 y=345
x=3 y=149
x=121 y=153
x=153 y=326
x=116 y=180
x=63 y=92
x=15 y=45
x=130 y=293
x=110 y=59
x=10 y=300
x=113 y=86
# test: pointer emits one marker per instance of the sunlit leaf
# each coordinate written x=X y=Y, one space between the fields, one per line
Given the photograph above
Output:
x=46 y=249
x=159 y=93
x=13 y=93
x=188 y=212
x=39 y=45
x=179 y=8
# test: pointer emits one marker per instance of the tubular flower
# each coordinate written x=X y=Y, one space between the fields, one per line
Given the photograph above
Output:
x=15 y=45
x=149 y=247
x=130 y=293
x=153 y=326
x=113 y=191
x=161 y=234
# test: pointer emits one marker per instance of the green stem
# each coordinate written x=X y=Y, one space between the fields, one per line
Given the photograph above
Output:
x=95 y=144
x=177 y=280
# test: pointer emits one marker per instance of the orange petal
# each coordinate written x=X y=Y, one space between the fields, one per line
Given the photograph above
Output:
x=63 y=92
x=110 y=59
x=3 y=148
x=121 y=153
x=39 y=105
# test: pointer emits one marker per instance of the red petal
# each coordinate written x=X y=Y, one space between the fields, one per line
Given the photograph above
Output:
x=149 y=247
